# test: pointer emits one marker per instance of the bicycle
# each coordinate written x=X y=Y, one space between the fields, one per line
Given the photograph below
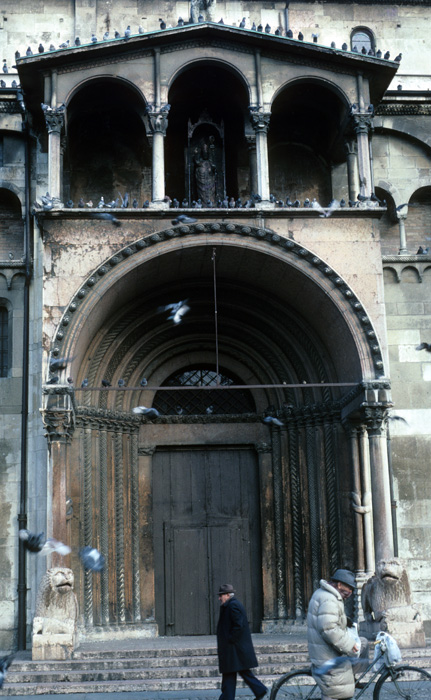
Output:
x=393 y=682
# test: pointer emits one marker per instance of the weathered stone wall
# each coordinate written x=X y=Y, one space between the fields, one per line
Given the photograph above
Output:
x=408 y=309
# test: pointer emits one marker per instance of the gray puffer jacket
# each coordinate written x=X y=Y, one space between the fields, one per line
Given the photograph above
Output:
x=329 y=637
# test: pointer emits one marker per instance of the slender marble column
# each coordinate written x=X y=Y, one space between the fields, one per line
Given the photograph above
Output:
x=362 y=125
x=54 y=118
x=351 y=149
x=260 y=124
x=403 y=238
x=158 y=124
x=382 y=515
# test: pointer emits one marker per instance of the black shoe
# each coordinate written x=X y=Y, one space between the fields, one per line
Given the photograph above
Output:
x=262 y=695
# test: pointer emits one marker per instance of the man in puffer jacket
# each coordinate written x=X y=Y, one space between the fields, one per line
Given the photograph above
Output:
x=329 y=637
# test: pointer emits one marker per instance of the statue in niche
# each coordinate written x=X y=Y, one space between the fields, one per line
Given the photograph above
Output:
x=205 y=171
x=205 y=8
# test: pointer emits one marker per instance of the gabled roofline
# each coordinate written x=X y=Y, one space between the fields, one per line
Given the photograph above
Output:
x=31 y=68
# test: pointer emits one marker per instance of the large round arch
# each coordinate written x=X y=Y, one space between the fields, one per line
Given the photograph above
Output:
x=201 y=496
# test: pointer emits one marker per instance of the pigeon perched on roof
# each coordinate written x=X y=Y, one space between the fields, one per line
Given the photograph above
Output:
x=29 y=52
x=387 y=55
x=242 y=23
x=93 y=39
x=398 y=58
x=5 y=68
x=92 y=559
x=162 y=23
x=344 y=47
x=289 y=34
x=106 y=36
x=77 y=41
x=127 y=32
x=301 y=36
x=267 y=29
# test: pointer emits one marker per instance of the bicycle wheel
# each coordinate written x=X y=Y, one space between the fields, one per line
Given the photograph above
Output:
x=406 y=682
x=296 y=685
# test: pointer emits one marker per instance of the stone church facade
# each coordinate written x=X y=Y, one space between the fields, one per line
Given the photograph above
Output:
x=298 y=310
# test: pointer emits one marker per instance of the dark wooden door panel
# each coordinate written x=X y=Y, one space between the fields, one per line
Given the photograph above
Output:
x=206 y=532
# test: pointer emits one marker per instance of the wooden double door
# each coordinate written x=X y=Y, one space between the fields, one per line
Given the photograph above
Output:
x=206 y=524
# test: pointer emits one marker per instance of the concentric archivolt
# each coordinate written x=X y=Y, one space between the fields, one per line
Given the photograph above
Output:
x=288 y=246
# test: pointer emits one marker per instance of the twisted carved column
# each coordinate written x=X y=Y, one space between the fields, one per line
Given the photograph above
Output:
x=313 y=501
x=260 y=124
x=295 y=489
x=88 y=525
x=252 y=160
x=280 y=558
x=331 y=494
x=134 y=497
x=351 y=150
x=119 y=527
x=104 y=536
x=54 y=118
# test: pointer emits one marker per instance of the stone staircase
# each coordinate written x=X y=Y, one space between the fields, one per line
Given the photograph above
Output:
x=158 y=665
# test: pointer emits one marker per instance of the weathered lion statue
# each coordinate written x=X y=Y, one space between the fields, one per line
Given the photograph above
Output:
x=387 y=603
x=55 y=620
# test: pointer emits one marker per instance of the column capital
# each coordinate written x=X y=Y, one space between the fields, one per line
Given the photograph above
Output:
x=260 y=120
x=375 y=418
x=54 y=118
x=59 y=424
x=158 y=120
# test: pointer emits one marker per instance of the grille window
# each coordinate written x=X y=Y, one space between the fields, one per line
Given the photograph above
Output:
x=217 y=401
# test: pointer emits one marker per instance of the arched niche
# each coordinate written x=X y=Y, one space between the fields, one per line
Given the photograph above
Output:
x=12 y=226
x=305 y=139
x=107 y=147
x=208 y=100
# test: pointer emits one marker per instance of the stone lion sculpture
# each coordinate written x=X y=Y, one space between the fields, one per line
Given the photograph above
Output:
x=55 y=620
x=387 y=602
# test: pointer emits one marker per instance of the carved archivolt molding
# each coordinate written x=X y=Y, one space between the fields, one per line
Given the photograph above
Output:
x=288 y=246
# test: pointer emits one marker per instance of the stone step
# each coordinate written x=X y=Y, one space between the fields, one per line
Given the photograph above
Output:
x=148 y=662
x=178 y=668
x=89 y=653
x=137 y=686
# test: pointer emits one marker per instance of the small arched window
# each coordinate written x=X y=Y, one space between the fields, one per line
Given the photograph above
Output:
x=362 y=38
x=4 y=341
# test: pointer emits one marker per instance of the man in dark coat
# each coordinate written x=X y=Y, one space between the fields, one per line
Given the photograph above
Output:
x=235 y=647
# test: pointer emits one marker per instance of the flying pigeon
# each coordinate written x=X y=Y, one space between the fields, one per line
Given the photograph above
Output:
x=33 y=543
x=183 y=219
x=91 y=559
x=52 y=545
x=106 y=217
x=149 y=412
x=57 y=363
x=424 y=346
x=5 y=662
x=177 y=310
x=273 y=420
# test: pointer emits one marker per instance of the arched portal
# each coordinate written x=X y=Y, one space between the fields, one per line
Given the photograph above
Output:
x=178 y=502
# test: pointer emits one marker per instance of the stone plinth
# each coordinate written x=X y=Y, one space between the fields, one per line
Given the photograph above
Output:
x=49 y=647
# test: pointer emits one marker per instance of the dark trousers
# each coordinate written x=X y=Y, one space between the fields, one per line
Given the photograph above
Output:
x=228 y=684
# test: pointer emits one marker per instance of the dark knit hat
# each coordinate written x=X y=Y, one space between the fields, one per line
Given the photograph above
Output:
x=344 y=576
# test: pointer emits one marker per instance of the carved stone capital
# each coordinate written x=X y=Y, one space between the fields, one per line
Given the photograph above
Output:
x=158 y=122
x=374 y=418
x=362 y=123
x=146 y=450
x=59 y=424
x=262 y=447
x=260 y=121
x=54 y=119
